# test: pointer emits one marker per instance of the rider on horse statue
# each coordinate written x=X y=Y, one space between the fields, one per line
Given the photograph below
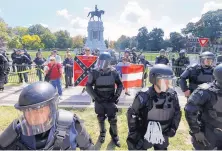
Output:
x=97 y=13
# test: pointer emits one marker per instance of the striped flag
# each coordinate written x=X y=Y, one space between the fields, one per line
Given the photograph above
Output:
x=131 y=75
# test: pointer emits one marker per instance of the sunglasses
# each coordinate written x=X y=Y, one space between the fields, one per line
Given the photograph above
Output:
x=52 y=60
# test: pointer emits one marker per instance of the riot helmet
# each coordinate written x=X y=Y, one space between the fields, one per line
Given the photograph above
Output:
x=38 y=105
x=134 y=49
x=162 y=52
x=142 y=57
x=207 y=59
x=219 y=59
x=162 y=76
x=104 y=61
x=217 y=75
x=182 y=53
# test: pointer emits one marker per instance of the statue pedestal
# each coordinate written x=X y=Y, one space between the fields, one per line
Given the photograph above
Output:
x=95 y=37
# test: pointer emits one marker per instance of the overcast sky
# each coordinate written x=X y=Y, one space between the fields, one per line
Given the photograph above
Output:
x=122 y=17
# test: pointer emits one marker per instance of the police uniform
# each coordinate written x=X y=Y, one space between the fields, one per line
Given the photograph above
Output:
x=149 y=106
x=22 y=62
x=104 y=94
x=207 y=99
x=144 y=63
x=181 y=63
x=4 y=66
x=61 y=131
x=162 y=59
x=197 y=74
x=219 y=59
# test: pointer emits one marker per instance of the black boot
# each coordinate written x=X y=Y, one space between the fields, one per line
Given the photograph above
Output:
x=102 y=129
x=113 y=131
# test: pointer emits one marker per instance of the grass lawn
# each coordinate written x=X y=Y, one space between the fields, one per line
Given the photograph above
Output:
x=180 y=142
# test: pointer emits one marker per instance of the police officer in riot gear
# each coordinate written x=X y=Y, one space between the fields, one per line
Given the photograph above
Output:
x=181 y=63
x=13 y=57
x=198 y=73
x=145 y=63
x=4 y=66
x=162 y=59
x=22 y=62
x=41 y=126
x=219 y=59
x=153 y=109
x=207 y=99
x=105 y=96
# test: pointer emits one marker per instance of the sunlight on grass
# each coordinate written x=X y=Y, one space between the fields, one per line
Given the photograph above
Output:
x=180 y=142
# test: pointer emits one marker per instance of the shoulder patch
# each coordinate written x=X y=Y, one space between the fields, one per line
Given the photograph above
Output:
x=204 y=86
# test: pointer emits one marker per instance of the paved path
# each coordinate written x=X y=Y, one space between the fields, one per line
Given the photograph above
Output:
x=73 y=97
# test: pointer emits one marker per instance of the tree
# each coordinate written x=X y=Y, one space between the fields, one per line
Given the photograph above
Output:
x=32 y=42
x=49 y=40
x=4 y=37
x=107 y=43
x=123 y=42
x=78 y=41
x=142 y=38
x=15 y=43
x=20 y=31
x=166 y=43
x=209 y=26
x=177 y=41
x=37 y=30
x=155 y=39
x=63 y=39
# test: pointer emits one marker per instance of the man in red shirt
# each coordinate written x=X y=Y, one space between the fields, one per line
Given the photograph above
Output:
x=56 y=74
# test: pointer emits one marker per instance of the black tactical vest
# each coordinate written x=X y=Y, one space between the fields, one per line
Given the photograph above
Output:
x=105 y=81
x=162 y=110
x=212 y=115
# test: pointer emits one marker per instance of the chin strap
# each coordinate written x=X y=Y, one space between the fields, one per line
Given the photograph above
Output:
x=154 y=133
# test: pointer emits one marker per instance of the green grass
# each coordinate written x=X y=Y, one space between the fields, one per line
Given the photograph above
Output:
x=180 y=142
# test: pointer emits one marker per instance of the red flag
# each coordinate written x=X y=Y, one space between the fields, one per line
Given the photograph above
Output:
x=82 y=66
x=132 y=75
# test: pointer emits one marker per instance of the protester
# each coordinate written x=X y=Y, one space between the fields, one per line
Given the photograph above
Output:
x=55 y=54
x=55 y=70
x=68 y=64
x=39 y=61
x=124 y=63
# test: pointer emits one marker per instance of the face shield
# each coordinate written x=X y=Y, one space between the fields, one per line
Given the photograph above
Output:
x=39 y=119
x=162 y=54
x=165 y=82
x=207 y=61
x=102 y=64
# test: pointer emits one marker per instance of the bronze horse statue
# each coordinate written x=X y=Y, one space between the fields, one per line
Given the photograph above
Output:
x=96 y=13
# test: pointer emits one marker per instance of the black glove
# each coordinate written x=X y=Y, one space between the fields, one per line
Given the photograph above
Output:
x=115 y=99
x=139 y=145
x=201 y=138
x=170 y=132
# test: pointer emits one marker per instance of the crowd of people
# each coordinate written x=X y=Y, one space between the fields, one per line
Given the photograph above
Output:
x=152 y=119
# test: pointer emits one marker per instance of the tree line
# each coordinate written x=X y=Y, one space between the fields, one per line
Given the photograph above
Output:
x=37 y=36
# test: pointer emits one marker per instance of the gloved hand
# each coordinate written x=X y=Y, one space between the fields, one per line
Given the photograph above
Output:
x=139 y=145
x=115 y=99
x=201 y=138
x=170 y=132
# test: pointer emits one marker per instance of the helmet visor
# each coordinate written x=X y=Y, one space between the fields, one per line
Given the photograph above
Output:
x=165 y=82
x=102 y=64
x=38 y=120
x=207 y=61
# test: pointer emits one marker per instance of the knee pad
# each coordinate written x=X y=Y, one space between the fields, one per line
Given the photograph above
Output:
x=112 y=119
x=101 y=118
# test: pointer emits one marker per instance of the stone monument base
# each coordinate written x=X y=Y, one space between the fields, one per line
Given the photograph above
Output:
x=95 y=36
